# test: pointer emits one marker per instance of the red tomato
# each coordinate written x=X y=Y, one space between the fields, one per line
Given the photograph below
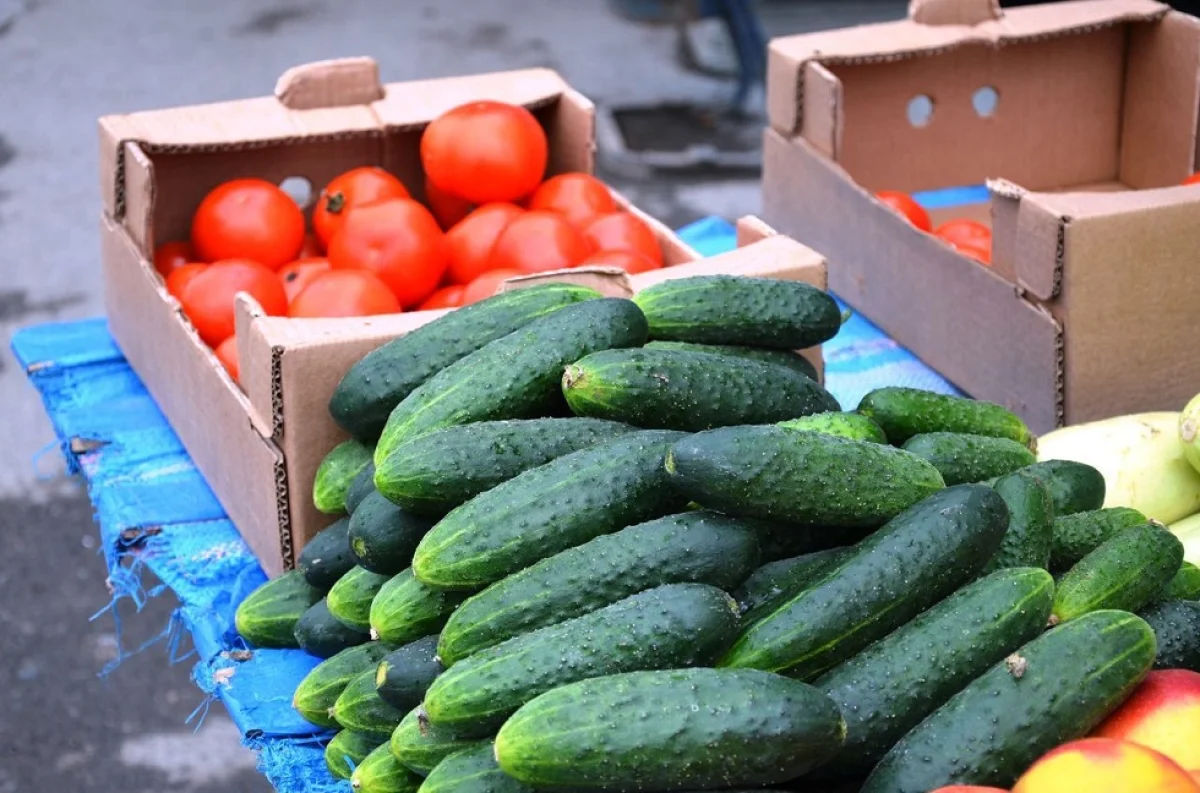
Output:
x=622 y=231
x=537 y=241
x=248 y=219
x=1193 y=179
x=446 y=208
x=353 y=188
x=344 y=293
x=446 y=297
x=179 y=277
x=904 y=204
x=170 y=256
x=962 y=230
x=207 y=298
x=300 y=273
x=579 y=197
x=629 y=261
x=486 y=285
x=227 y=355
x=485 y=151
x=469 y=244
x=311 y=248
x=397 y=240
x=979 y=249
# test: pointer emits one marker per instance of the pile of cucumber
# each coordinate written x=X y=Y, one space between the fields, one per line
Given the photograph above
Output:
x=618 y=545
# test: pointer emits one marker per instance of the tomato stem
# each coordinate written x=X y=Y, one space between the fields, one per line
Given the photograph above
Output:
x=335 y=203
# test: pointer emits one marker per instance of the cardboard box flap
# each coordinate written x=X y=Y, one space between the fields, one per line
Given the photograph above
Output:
x=953 y=12
x=411 y=104
x=335 y=83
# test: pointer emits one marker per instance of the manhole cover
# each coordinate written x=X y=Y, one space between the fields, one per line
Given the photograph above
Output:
x=679 y=136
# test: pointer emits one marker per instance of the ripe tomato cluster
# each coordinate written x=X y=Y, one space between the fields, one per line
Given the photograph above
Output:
x=969 y=237
x=372 y=248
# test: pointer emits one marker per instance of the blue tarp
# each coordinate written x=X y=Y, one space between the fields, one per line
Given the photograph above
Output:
x=155 y=511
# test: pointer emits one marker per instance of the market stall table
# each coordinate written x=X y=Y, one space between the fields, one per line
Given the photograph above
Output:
x=155 y=511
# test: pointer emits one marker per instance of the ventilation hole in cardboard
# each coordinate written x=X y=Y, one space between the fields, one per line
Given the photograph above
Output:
x=984 y=100
x=299 y=188
x=920 y=110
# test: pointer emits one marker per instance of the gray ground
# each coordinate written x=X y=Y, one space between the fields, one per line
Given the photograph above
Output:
x=62 y=64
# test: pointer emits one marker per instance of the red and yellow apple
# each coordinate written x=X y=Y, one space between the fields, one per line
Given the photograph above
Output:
x=1164 y=715
x=1105 y=765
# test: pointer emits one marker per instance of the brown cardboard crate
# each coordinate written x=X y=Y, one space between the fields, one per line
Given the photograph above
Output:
x=1094 y=241
x=259 y=448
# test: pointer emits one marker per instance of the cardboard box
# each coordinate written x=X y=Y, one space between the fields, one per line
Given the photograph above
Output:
x=259 y=447
x=1087 y=309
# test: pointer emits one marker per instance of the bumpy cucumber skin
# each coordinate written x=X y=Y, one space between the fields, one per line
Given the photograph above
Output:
x=1125 y=573
x=905 y=412
x=406 y=609
x=777 y=541
x=348 y=750
x=854 y=426
x=383 y=537
x=405 y=674
x=349 y=600
x=1075 y=487
x=1030 y=523
x=360 y=487
x=728 y=309
x=963 y=458
x=513 y=377
x=318 y=691
x=335 y=473
x=671 y=626
x=1176 y=624
x=703 y=728
x=792 y=360
x=888 y=688
x=775 y=583
x=472 y=770
x=435 y=473
x=379 y=772
x=421 y=746
x=776 y=474
x=690 y=391
x=1078 y=534
x=319 y=634
x=373 y=387
x=1053 y=690
x=326 y=557
x=910 y=564
x=1185 y=585
x=360 y=709
x=699 y=547
x=269 y=615
x=547 y=509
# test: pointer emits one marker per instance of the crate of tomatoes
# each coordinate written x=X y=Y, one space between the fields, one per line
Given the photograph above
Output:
x=254 y=250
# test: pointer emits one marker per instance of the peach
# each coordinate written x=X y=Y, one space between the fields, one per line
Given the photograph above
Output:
x=1164 y=715
x=1105 y=765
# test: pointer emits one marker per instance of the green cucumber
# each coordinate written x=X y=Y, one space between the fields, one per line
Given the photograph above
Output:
x=799 y=477
x=1125 y=572
x=268 y=616
x=792 y=360
x=420 y=746
x=318 y=691
x=730 y=309
x=348 y=750
x=472 y=770
x=778 y=541
x=383 y=536
x=319 y=634
x=360 y=487
x=854 y=426
x=335 y=473
x=379 y=772
x=1054 y=689
x=703 y=728
x=701 y=547
x=514 y=377
x=916 y=560
x=1078 y=534
x=691 y=391
x=1176 y=625
x=905 y=412
x=326 y=556
x=963 y=459
x=405 y=674
x=350 y=598
x=360 y=709
x=888 y=688
x=775 y=583
x=373 y=387
x=1185 y=585
x=1030 y=523
x=1075 y=487
x=547 y=509
x=435 y=473
x=671 y=626
x=406 y=609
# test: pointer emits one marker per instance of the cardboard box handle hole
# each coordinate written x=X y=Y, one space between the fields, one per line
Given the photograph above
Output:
x=920 y=110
